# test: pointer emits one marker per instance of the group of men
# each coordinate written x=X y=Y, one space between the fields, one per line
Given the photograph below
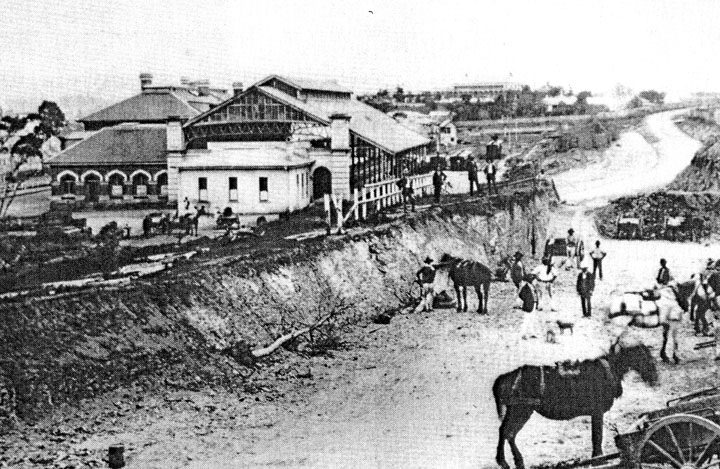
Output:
x=439 y=179
x=493 y=151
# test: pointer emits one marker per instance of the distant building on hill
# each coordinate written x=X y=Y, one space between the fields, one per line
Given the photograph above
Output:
x=485 y=91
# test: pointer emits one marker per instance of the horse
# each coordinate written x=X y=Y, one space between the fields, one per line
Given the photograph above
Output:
x=466 y=273
x=566 y=391
x=664 y=309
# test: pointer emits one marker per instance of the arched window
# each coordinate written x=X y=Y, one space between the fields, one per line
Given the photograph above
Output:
x=140 y=183
x=92 y=187
x=162 y=183
x=116 y=182
x=67 y=184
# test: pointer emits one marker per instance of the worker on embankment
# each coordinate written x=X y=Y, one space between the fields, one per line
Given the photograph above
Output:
x=426 y=278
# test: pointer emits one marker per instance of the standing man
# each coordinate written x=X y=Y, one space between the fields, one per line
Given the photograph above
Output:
x=426 y=278
x=517 y=271
x=585 y=286
x=472 y=173
x=571 y=247
x=439 y=178
x=406 y=191
x=663 y=275
x=597 y=256
x=493 y=150
x=490 y=172
x=530 y=326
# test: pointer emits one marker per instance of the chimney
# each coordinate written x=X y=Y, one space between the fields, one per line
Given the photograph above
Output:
x=340 y=132
x=175 y=136
x=145 y=80
x=237 y=88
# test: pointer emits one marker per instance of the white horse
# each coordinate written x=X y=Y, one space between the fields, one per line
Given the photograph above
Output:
x=664 y=309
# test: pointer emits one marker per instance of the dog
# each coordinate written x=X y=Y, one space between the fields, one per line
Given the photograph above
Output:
x=563 y=325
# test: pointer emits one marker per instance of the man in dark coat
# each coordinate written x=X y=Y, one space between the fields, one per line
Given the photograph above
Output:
x=517 y=271
x=439 y=178
x=663 y=276
x=585 y=287
x=472 y=173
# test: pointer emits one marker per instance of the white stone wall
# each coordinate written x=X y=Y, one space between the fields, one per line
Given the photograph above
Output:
x=338 y=162
x=284 y=192
x=173 y=159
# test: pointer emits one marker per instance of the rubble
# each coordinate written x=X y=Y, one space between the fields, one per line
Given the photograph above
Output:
x=653 y=209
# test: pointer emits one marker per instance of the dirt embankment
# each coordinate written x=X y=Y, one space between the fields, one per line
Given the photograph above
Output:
x=703 y=174
x=168 y=332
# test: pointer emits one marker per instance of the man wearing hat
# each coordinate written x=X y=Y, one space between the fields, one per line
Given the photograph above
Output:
x=426 y=278
x=472 y=171
x=571 y=246
x=517 y=271
x=585 y=286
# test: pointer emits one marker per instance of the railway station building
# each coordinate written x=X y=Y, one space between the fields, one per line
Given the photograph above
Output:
x=282 y=143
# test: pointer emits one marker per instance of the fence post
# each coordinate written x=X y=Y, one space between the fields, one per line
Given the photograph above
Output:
x=326 y=198
x=365 y=203
x=356 y=209
x=338 y=208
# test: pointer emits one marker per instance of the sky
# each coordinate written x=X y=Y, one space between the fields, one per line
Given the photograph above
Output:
x=55 y=48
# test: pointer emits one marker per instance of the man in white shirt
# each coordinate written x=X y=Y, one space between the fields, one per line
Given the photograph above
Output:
x=597 y=255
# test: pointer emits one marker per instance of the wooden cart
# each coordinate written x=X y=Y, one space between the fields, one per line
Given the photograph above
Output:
x=683 y=435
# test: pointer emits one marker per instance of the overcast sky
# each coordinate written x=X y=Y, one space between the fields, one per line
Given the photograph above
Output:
x=55 y=48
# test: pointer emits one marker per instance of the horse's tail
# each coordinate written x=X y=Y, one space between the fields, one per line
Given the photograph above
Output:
x=497 y=388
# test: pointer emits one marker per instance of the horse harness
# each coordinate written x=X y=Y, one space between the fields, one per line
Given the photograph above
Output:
x=564 y=370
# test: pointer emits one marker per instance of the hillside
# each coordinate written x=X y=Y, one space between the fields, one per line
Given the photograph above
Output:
x=703 y=174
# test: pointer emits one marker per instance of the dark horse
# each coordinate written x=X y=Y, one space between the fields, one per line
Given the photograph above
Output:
x=465 y=273
x=566 y=391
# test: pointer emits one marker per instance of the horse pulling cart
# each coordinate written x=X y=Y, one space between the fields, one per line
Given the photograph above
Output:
x=683 y=435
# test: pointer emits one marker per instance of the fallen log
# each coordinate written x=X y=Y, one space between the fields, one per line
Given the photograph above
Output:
x=702 y=345
x=265 y=351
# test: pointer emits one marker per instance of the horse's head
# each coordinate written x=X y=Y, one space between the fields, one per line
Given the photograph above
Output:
x=446 y=260
x=683 y=292
x=635 y=357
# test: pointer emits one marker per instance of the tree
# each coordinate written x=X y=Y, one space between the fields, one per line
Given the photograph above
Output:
x=653 y=96
x=581 y=104
x=52 y=119
x=554 y=91
x=399 y=94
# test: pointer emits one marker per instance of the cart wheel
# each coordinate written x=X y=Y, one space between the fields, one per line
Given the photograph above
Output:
x=680 y=441
x=580 y=252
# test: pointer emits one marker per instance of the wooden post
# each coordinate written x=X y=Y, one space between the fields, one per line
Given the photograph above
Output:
x=356 y=211
x=338 y=207
x=365 y=203
x=327 y=210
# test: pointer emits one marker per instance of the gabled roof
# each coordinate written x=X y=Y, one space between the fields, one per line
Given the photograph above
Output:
x=121 y=144
x=307 y=84
x=367 y=122
x=155 y=106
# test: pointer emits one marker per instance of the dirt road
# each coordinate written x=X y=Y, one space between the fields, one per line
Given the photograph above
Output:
x=417 y=393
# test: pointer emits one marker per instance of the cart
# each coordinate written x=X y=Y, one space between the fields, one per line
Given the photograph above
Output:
x=683 y=435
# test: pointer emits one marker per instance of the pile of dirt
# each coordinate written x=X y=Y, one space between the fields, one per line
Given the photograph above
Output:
x=653 y=209
x=173 y=330
x=703 y=174
x=698 y=127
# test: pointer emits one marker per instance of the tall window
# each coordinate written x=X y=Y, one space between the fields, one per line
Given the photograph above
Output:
x=162 y=182
x=202 y=190
x=116 y=182
x=232 y=186
x=140 y=182
x=263 y=189
x=67 y=184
